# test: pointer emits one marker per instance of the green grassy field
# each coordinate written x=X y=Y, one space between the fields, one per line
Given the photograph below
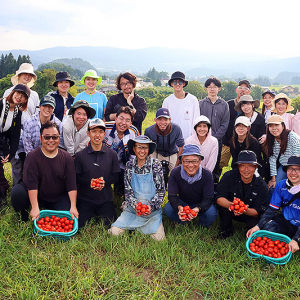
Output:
x=192 y=263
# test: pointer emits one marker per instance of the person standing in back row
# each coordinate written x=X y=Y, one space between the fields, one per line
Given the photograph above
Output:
x=183 y=107
x=217 y=111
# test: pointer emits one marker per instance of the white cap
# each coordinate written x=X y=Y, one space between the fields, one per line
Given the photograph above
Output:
x=243 y=120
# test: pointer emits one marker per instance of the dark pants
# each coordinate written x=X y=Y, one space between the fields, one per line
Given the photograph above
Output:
x=87 y=210
x=227 y=216
x=119 y=187
x=21 y=203
x=3 y=182
x=217 y=171
x=280 y=225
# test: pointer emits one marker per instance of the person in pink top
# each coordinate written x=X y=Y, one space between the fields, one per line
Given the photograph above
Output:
x=208 y=144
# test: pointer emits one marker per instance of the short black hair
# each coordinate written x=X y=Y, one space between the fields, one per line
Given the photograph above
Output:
x=47 y=125
x=213 y=80
x=129 y=76
x=125 y=110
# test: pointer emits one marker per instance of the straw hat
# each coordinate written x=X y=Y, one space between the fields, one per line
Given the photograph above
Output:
x=282 y=96
x=24 y=68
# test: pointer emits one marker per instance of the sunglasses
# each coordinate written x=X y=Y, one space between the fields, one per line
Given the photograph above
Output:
x=180 y=82
x=48 y=137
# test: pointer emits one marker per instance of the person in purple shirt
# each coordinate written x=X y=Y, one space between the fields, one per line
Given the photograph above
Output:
x=192 y=185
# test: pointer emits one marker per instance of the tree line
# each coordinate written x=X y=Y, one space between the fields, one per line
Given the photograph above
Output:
x=9 y=65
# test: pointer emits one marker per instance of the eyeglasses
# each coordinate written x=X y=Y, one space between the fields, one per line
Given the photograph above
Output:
x=142 y=147
x=212 y=87
x=193 y=162
x=127 y=120
x=175 y=82
x=243 y=88
x=290 y=170
x=125 y=83
x=48 y=137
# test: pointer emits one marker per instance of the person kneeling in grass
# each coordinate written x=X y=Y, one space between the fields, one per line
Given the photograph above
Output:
x=287 y=197
x=243 y=184
x=143 y=183
x=192 y=185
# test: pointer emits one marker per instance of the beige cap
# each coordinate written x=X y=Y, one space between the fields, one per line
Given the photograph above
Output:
x=275 y=119
x=24 y=68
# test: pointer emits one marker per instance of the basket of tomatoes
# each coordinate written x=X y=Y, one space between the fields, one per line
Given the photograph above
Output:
x=273 y=247
x=57 y=224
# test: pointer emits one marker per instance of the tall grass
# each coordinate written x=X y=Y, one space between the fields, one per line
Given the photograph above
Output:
x=192 y=263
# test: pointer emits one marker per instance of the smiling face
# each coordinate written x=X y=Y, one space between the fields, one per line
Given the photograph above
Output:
x=247 y=171
x=19 y=98
x=63 y=86
x=212 y=90
x=281 y=107
x=123 y=122
x=126 y=86
x=141 y=150
x=46 y=111
x=293 y=174
x=268 y=100
x=276 y=129
x=90 y=83
x=202 y=129
x=162 y=123
x=191 y=164
x=25 y=78
x=178 y=85
x=241 y=130
x=79 y=117
x=96 y=135
x=242 y=90
x=49 y=145
x=247 y=107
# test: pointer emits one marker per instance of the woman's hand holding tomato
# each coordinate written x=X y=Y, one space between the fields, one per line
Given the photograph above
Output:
x=186 y=213
x=97 y=184
x=143 y=209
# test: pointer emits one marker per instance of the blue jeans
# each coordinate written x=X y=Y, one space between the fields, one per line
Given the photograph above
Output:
x=281 y=175
x=205 y=219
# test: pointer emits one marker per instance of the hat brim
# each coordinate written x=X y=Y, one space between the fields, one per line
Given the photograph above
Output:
x=131 y=143
x=238 y=106
x=178 y=78
x=99 y=79
x=95 y=126
x=64 y=79
x=91 y=111
x=48 y=103
x=15 y=79
x=248 y=162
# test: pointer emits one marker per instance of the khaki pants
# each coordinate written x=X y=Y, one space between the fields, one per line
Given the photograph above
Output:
x=171 y=159
x=159 y=235
x=225 y=157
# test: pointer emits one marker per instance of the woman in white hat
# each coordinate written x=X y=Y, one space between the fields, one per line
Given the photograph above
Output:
x=25 y=75
x=96 y=99
x=144 y=184
x=281 y=143
x=208 y=144
x=281 y=105
x=242 y=139
x=246 y=106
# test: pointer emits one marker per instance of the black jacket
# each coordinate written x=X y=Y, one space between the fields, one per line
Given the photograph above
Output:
x=118 y=100
x=60 y=106
x=256 y=196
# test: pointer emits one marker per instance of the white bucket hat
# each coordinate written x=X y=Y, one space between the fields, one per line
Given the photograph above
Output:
x=24 y=68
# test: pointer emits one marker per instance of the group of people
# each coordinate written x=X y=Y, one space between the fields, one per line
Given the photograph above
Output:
x=60 y=145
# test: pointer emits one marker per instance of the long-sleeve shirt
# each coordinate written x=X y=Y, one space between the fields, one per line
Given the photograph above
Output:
x=218 y=114
x=293 y=148
x=118 y=100
x=158 y=178
x=200 y=193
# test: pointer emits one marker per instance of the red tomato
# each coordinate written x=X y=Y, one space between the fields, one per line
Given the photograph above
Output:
x=236 y=207
x=282 y=252
x=140 y=203
x=258 y=238
x=187 y=211
x=193 y=213
x=235 y=202
x=265 y=238
x=72 y=222
x=231 y=207
x=143 y=210
x=67 y=222
x=47 y=219
x=241 y=209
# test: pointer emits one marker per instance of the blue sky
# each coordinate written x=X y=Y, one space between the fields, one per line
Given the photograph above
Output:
x=268 y=28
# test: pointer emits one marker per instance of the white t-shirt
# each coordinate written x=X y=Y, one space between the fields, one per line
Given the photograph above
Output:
x=33 y=103
x=183 y=112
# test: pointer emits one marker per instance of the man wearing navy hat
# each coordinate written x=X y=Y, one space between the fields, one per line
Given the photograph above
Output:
x=243 y=184
x=183 y=107
x=287 y=197
x=192 y=185
x=168 y=139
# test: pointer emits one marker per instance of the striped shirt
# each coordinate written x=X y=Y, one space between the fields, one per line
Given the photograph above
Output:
x=293 y=148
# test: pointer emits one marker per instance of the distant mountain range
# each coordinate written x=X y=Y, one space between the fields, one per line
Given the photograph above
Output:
x=193 y=63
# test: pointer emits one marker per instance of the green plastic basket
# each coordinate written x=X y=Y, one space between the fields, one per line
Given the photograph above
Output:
x=272 y=236
x=57 y=235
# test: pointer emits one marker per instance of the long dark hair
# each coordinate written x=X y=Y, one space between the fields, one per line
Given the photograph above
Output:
x=248 y=138
x=263 y=109
x=269 y=142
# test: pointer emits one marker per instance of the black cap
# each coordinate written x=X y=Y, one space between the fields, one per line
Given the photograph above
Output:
x=269 y=92
x=247 y=157
x=63 y=76
x=245 y=82
x=292 y=161
x=178 y=75
x=22 y=88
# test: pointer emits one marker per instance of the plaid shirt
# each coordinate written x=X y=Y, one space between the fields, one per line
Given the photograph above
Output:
x=30 y=138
